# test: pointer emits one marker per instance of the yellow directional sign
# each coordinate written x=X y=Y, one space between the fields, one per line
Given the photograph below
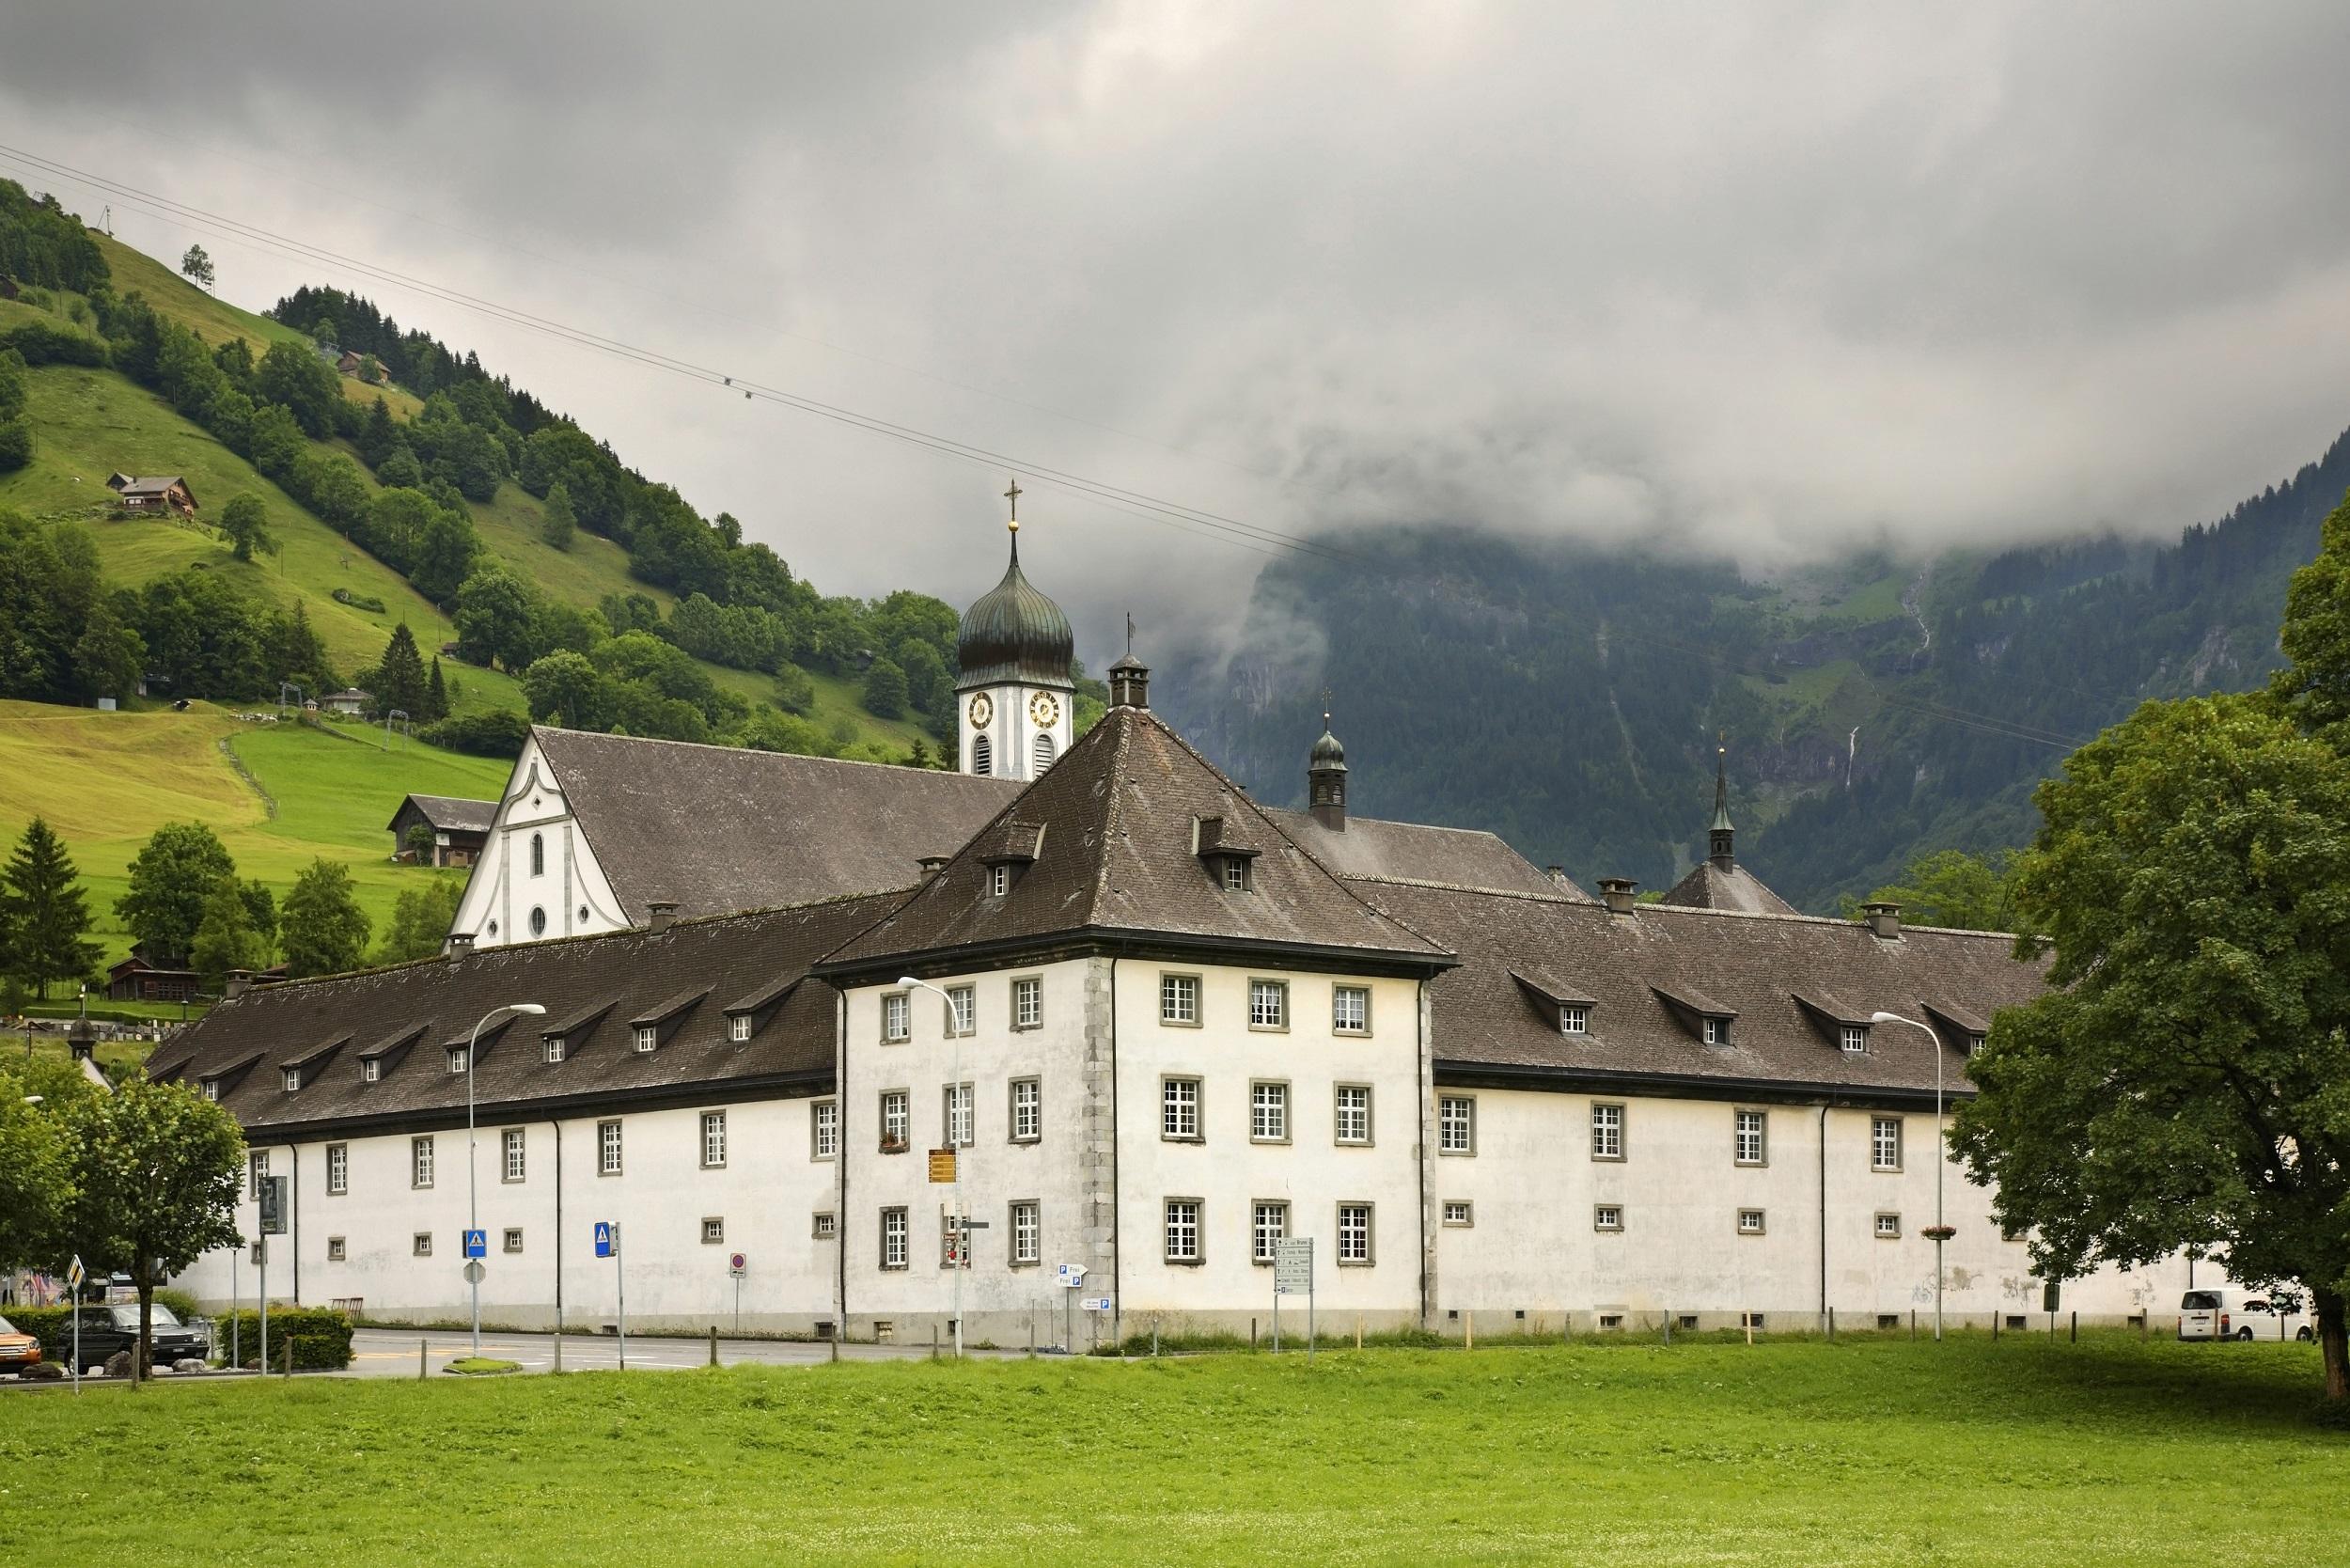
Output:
x=942 y=1164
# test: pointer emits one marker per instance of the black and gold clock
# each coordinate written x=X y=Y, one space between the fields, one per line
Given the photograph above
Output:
x=982 y=709
x=1044 y=708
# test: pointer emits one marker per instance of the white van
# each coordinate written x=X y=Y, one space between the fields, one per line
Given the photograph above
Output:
x=2230 y=1313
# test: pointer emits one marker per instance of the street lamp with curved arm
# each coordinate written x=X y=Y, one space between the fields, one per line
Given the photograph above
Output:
x=954 y=1077
x=1941 y=1156
x=473 y=1214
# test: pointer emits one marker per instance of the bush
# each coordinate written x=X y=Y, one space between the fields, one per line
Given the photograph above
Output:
x=358 y=601
x=500 y=733
x=49 y=1324
x=320 y=1337
x=49 y=343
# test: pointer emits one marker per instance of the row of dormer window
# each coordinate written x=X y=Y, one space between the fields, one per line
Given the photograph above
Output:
x=644 y=1039
x=1575 y=1018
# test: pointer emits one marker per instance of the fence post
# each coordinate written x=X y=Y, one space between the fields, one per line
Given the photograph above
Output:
x=1252 y=1333
x=1154 y=1339
x=713 y=1344
x=1831 y=1325
x=1358 y=1331
x=1468 y=1329
x=2077 y=1325
x=1913 y=1323
x=833 y=1339
x=289 y=1355
x=420 y=1352
x=1994 y=1327
x=1031 y=1339
x=933 y=1341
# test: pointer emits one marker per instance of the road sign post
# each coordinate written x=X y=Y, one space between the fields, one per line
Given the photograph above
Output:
x=272 y=1201
x=738 y=1266
x=1072 y=1278
x=608 y=1245
x=74 y=1277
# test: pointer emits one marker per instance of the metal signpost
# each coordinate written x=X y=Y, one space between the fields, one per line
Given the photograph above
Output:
x=1071 y=1277
x=1294 y=1274
x=738 y=1266
x=74 y=1277
x=273 y=1196
x=608 y=1245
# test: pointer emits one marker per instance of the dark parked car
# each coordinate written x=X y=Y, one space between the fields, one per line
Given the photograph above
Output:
x=108 y=1329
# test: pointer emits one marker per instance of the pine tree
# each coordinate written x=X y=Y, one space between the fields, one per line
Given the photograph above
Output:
x=400 y=680
x=45 y=913
x=435 y=695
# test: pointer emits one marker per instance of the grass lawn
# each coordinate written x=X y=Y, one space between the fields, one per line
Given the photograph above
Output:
x=2027 y=1452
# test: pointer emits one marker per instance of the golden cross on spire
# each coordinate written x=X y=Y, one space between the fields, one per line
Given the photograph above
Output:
x=1013 y=497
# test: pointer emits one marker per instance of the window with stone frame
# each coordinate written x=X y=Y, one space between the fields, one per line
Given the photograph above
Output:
x=1179 y=1108
x=1268 y=1227
x=1351 y=1116
x=1269 y=1112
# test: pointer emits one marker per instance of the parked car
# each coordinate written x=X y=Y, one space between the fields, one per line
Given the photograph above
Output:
x=17 y=1352
x=2229 y=1312
x=108 y=1329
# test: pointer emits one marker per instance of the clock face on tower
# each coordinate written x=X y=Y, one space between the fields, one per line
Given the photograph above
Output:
x=982 y=709
x=1045 y=709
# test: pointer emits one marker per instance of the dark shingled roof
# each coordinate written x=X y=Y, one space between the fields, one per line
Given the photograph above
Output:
x=1486 y=1021
x=1124 y=803
x=1709 y=886
x=590 y=985
x=1414 y=852
x=448 y=813
x=715 y=829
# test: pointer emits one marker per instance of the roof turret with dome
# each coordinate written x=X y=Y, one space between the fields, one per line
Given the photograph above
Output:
x=1013 y=632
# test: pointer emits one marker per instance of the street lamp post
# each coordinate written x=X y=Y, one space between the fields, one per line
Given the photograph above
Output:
x=955 y=1141
x=1941 y=1156
x=473 y=1212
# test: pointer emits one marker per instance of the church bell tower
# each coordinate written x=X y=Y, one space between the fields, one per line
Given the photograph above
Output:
x=1014 y=693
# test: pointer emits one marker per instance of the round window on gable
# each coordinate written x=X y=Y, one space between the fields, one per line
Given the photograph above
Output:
x=538 y=922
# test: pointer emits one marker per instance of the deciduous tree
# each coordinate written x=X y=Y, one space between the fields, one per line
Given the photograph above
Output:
x=225 y=937
x=170 y=878
x=420 y=919
x=244 y=523
x=198 y=266
x=558 y=523
x=322 y=929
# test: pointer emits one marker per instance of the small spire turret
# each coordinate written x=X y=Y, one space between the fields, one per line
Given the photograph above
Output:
x=1721 y=836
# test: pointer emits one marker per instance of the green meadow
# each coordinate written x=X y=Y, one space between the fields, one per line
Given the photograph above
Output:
x=2025 y=1451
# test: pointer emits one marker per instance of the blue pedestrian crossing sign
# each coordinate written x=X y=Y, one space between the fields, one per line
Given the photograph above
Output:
x=604 y=1238
x=477 y=1243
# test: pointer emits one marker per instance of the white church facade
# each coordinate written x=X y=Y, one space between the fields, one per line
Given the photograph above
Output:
x=1161 y=1027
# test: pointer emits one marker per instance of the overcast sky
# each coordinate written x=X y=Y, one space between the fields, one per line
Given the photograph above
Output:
x=1767 y=278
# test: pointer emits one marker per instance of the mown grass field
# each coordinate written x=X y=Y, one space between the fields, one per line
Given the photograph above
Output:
x=107 y=780
x=1860 y=1452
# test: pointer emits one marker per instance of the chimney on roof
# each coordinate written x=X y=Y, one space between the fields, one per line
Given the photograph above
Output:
x=82 y=1039
x=1617 y=891
x=1884 y=919
x=933 y=864
x=235 y=985
x=1130 y=683
x=458 y=943
x=659 y=915
x=1556 y=873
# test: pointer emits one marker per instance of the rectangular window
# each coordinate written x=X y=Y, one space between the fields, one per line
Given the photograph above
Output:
x=420 y=1161
x=1456 y=1125
x=1178 y=999
x=1749 y=1222
x=1974 y=1044
x=897 y=1018
x=1182 y=1229
x=648 y=1036
x=954 y=1116
x=551 y=1049
x=370 y=1070
x=292 y=1079
x=1027 y=1235
x=1354 y=1233
x=1575 y=1018
x=1459 y=1213
x=512 y=1141
x=963 y=1010
x=739 y=1028
x=947 y=1242
x=1607 y=1132
x=1856 y=1039
x=1268 y=1225
x=998 y=880
x=1028 y=1110
x=1027 y=1003
x=338 y=1169
x=1349 y=1009
x=713 y=1139
x=607 y=1148
x=1352 y=1119
x=1179 y=1108
x=212 y=1088
x=1749 y=1140
x=893 y=1238
x=256 y=1167
x=714 y=1229
x=823 y=1129
x=894 y=1119
x=1269 y=1113
x=1608 y=1216
x=513 y=1239
x=420 y=1244
x=1884 y=1143
x=456 y=1057
x=1268 y=1004
x=260 y=1248
x=825 y=1226
x=1235 y=875
x=1888 y=1227
x=336 y=1252
x=1718 y=1031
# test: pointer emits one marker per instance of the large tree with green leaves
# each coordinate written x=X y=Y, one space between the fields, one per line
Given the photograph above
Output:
x=245 y=524
x=321 y=927
x=1950 y=887
x=420 y=919
x=226 y=938
x=2185 y=1083
x=154 y=1168
x=45 y=913
x=35 y=1173
x=399 y=680
x=170 y=878
x=558 y=523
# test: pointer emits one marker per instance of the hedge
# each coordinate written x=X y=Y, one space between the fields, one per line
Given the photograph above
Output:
x=43 y=343
x=321 y=1336
x=46 y=1324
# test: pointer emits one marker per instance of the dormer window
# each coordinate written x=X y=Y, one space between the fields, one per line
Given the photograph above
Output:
x=1235 y=875
x=212 y=1089
x=370 y=1070
x=292 y=1079
x=457 y=1054
x=998 y=880
x=648 y=1038
x=1575 y=1018
x=739 y=1028
x=1717 y=1031
x=1974 y=1044
x=551 y=1049
x=1854 y=1039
